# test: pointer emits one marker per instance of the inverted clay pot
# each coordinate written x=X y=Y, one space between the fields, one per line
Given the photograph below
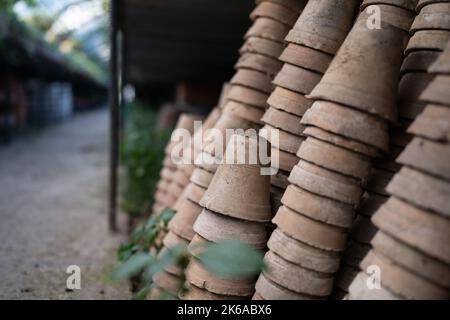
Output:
x=268 y=29
x=349 y=79
x=172 y=239
x=262 y=46
x=207 y=162
x=203 y=279
x=198 y=245
x=326 y=183
x=248 y=96
x=437 y=91
x=297 y=79
x=303 y=255
x=201 y=177
x=269 y=290
x=280 y=179
x=169 y=163
x=283 y=120
x=259 y=62
x=403 y=282
x=253 y=79
x=318 y=208
x=195 y=192
x=358 y=290
x=394 y=15
x=379 y=181
x=306 y=58
x=418 y=61
x=168 y=282
x=181 y=178
x=410 y=87
x=428 y=40
x=257 y=296
x=324 y=24
x=187 y=213
x=416 y=262
x=167 y=174
x=286 y=161
x=423 y=3
x=195 y=293
x=434 y=16
x=442 y=64
x=422 y=230
x=286 y=141
x=174 y=189
x=294 y=5
x=274 y=11
x=289 y=101
x=405 y=4
x=296 y=278
x=334 y=158
x=432 y=124
x=309 y=231
x=215 y=227
x=244 y=111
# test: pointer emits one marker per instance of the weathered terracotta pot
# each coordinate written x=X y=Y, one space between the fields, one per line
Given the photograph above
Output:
x=195 y=192
x=324 y=24
x=215 y=227
x=167 y=174
x=244 y=111
x=174 y=189
x=435 y=16
x=394 y=15
x=248 y=96
x=422 y=230
x=275 y=199
x=326 y=183
x=318 y=208
x=200 y=277
x=418 y=61
x=157 y=207
x=289 y=101
x=201 y=177
x=172 y=269
x=296 y=278
x=187 y=213
x=303 y=255
x=286 y=141
x=286 y=160
x=196 y=293
x=198 y=245
x=262 y=46
x=207 y=162
x=358 y=290
x=239 y=191
x=280 y=179
x=294 y=5
x=306 y=58
x=432 y=124
x=268 y=29
x=427 y=156
x=168 y=282
x=349 y=79
x=274 y=11
x=270 y=290
x=410 y=87
x=442 y=64
x=399 y=137
x=431 y=269
x=257 y=296
x=162 y=185
x=341 y=141
x=259 y=62
x=379 y=181
x=405 y=4
x=334 y=158
x=172 y=239
x=169 y=163
x=403 y=282
x=363 y=230
x=423 y=3
x=428 y=40
x=283 y=120
x=437 y=92
x=311 y=232
x=253 y=79
x=180 y=178
x=297 y=79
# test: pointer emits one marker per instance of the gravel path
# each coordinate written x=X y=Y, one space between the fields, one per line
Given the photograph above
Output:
x=53 y=191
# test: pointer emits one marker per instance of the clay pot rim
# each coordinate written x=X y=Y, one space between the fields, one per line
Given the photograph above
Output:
x=381 y=2
x=273 y=283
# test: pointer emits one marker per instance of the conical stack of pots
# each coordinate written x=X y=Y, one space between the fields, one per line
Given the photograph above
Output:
x=410 y=249
x=346 y=127
x=236 y=206
x=414 y=79
x=311 y=45
x=172 y=179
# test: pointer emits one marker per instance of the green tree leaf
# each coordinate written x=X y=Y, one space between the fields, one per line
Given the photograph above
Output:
x=132 y=266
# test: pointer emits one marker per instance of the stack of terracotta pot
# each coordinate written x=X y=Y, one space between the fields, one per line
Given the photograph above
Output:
x=346 y=127
x=312 y=44
x=235 y=206
x=414 y=79
x=410 y=249
x=173 y=180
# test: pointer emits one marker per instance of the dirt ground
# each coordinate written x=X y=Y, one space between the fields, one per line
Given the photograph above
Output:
x=53 y=200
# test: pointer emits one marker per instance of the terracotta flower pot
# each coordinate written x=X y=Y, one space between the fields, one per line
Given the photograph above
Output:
x=379 y=181
x=259 y=62
x=326 y=183
x=268 y=29
x=358 y=290
x=168 y=282
x=195 y=192
x=198 y=245
x=262 y=46
x=201 y=177
x=410 y=87
x=181 y=178
x=248 y=96
x=402 y=282
x=289 y=101
x=419 y=61
x=169 y=163
x=442 y=64
x=203 y=279
x=270 y=290
x=167 y=174
x=280 y=179
x=286 y=160
x=207 y=162
x=244 y=111
x=294 y=5
x=253 y=79
x=306 y=58
x=349 y=79
x=172 y=239
x=286 y=141
x=215 y=227
x=274 y=11
x=431 y=269
x=435 y=16
x=334 y=158
x=318 y=208
x=283 y=120
x=419 y=229
x=297 y=79
x=187 y=213
x=257 y=296
x=428 y=40
x=195 y=293
x=174 y=189
x=311 y=232
x=296 y=278
x=437 y=92
x=341 y=141
x=405 y=4
x=303 y=255
x=394 y=15
x=432 y=124
x=423 y=3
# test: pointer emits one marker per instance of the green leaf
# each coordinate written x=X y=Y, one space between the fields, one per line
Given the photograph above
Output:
x=126 y=250
x=132 y=266
x=167 y=258
x=142 y=294
x=232 y=259
x=167 y=215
